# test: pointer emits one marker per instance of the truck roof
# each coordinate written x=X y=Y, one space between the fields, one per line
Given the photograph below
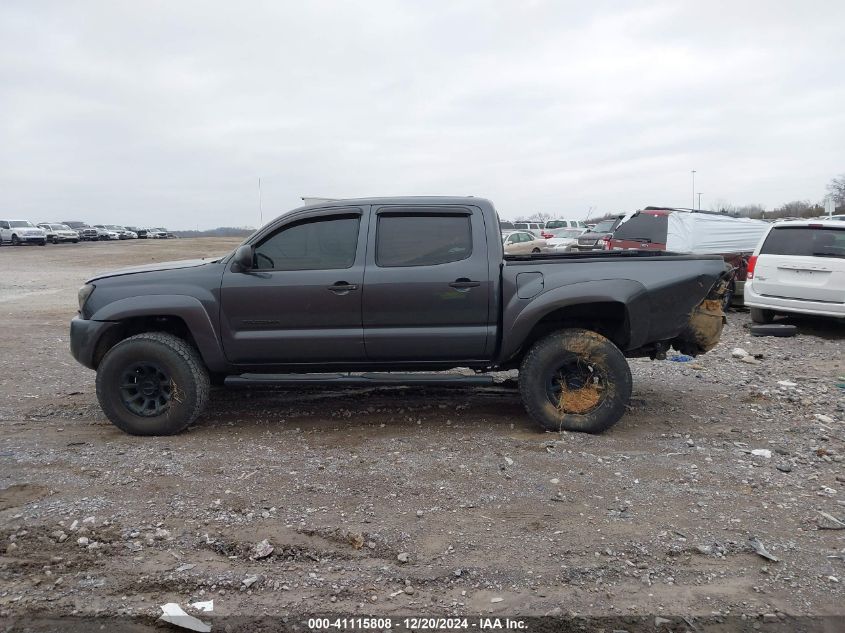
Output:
x=399 y=200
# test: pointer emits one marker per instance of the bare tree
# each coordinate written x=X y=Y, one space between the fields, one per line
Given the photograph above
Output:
x=723 y=205
x=836 y=187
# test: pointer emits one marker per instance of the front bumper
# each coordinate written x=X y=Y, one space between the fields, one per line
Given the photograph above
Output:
x=84 y=337
x=797 y=306
x=32 y=238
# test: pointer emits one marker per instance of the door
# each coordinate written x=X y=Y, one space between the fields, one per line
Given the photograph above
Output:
x=427 y=289
x=301 y=302
x=802 y=262
x=5 y=233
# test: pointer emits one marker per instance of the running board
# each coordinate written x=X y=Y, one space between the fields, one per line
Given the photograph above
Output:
x=411 y=379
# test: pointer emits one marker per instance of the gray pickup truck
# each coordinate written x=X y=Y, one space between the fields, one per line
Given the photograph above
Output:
x=357 y=291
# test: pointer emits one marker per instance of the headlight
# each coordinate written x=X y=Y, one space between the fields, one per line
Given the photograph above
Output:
x=84 y=293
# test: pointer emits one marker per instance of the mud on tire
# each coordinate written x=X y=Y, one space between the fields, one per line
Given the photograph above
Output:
x=575 y=380
x=152 y=384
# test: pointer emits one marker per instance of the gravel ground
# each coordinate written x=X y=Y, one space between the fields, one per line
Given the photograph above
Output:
x=417 y=501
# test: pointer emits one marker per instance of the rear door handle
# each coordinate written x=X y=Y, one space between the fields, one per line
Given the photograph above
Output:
x=464 y=284
x=342 y=287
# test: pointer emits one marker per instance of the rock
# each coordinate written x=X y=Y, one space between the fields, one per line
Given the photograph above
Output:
x=11 y=547
x=409 y=590
x=760 y=549
x=74 y=525
x=787 y=383
x=89 y=520
x=494 y=600
x=185 y=567
x=750 y=360
x=738 y=352
x=402 y=557
x=262 y=550
x=554 y=481
x=770 y=617
x=826 y=419
x=690 y=443
x=508 y=461
x=82 y=540
x=829 y=522
x=419 y=513
x=161 y=533
x=762 y=452
x=784 y=467
x=249 y=581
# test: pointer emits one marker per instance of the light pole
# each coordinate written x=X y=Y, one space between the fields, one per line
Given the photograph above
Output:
x=260 y=210
x=699 y=200
x=693 y=189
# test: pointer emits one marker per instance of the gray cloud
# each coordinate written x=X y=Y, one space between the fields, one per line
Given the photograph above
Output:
x=167 y=113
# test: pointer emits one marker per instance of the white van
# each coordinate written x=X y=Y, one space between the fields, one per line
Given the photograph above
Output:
x=798 y=267
x=565 y=224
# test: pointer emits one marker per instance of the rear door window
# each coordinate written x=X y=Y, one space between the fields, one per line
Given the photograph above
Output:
x=644 y=227
x=422 y=240
x=805 y=241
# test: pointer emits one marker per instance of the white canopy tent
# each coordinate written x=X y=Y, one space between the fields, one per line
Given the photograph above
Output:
x=714 y=234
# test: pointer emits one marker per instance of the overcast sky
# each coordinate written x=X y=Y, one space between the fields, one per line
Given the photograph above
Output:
x=167 y=113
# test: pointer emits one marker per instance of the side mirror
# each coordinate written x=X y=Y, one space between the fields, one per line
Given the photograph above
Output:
x=244 y=258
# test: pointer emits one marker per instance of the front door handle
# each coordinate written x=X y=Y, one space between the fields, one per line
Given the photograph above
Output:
x=342 y=287
x=463 y=283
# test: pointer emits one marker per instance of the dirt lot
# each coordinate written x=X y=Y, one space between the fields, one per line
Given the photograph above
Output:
x=412 y=501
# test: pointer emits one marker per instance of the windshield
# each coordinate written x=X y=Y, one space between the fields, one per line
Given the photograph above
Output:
x=61 y=227
x=520 y=225
x=805 y=241
x=19 y=223
x=556 y=224
x=605 y=226
x=505 y=225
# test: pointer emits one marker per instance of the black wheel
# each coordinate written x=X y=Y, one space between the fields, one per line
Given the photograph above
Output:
x=15 y=241
x=759 y=315
x=575 y=380
x=55 y=240
x=42 y=243
x=152 y=384
x=75 y=241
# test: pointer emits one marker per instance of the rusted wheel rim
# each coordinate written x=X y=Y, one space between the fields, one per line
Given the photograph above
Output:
x=577 y=387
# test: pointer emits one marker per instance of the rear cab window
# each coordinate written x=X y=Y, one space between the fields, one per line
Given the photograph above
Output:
x=643 y=227
x=805 y=241
x=416 y=239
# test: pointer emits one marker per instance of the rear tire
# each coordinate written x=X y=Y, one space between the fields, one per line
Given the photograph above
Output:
x=759 y=315
x=15 y=241
x=575 y=380
x=152 y=384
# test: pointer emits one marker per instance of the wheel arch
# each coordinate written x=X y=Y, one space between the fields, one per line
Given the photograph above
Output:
x=616 y=309
x=180 y=315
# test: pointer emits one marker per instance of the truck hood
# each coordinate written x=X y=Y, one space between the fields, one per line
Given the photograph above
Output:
x=151 y=268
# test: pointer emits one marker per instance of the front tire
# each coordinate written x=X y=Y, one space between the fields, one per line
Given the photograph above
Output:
x=152 y=384
x=759 y=315
x=15 y=241
x=575 y=380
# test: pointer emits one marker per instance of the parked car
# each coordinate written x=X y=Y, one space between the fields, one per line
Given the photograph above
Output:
x=157 y=233
x=85 y=231
x=105 y=232
x=564 y=240
x=59 y=233
x=141 y=233
x=799 y=267
x=504 y=227
x=565 y=224
x=16 y=232
x=522 y=242
x=700 y=232
x=596 y=238
x=390 y=285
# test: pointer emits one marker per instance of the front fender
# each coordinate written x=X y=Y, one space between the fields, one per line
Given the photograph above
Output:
x=520 y=316
x=189 y=309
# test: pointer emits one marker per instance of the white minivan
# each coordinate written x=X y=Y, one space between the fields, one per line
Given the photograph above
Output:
x=798 y=267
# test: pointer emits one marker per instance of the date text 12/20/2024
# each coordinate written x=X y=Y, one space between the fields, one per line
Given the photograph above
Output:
x=416 y=624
